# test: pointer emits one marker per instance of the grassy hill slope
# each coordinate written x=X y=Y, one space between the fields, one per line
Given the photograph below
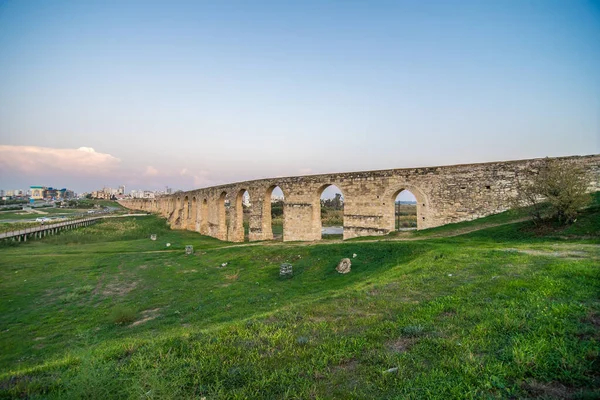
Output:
x=501 y=312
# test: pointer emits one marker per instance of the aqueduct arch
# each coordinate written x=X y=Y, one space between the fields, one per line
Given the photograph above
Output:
x=204 y=217
x=445 y=194
x=192 y=221
x=222 y=222
x=266 y=218
x=317 y=220
x=422 y=201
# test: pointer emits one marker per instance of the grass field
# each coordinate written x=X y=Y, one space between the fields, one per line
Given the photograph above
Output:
x=485 y=309
x=44 y=212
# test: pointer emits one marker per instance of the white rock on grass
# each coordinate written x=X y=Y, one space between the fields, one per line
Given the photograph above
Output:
x=344 y=266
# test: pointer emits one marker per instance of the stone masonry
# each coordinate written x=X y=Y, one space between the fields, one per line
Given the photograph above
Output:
x=444 y=195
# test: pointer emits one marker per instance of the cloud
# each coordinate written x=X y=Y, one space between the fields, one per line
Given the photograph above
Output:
x=150 y=171
x=202 y=179
x=44 y=160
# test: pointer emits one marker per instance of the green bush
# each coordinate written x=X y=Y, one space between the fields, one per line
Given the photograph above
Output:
x=555 y=192
x=121 y=315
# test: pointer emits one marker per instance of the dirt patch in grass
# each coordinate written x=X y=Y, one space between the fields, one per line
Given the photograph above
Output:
x=53 y=293
x=401 y=344
x=98 y=285
x=548 y=390
x=187 y=271
x=143 y=267
x=594 y=319
x=347 y=365
x=570 y=254
x=448 y=314
x=119 y=289
x=234 y=276
x=14 y=381
x=147 y=315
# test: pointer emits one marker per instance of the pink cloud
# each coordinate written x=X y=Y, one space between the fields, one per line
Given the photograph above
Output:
x=33 y=160
x=150 y=171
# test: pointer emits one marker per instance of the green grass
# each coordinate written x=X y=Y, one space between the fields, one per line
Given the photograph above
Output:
x=103 y=311
x=19 y=215
x=15 y=226
x=48 y=212
x=62 y=211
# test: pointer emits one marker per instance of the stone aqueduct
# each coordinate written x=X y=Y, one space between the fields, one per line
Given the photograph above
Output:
x=444 y=195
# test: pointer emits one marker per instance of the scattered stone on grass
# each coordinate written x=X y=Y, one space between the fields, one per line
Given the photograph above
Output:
x=168 y=244
x=391 y=370
x=153 y=236
x=224 y=265
x=189 y=249
x=344 y=266
x=354 y=255
x=285 y=269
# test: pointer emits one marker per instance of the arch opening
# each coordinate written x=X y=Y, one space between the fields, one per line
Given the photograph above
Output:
x=176 y=212
x=273 y=213
x=204 y=217
x=193 y=215
x=405 y=210
x=223 y=215
x=185 y=213
x=331 y=212
x=242 y=216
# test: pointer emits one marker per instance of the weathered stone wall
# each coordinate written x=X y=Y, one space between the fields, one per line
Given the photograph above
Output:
x=444 y=195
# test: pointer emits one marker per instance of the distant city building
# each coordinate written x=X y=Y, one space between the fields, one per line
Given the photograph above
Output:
x=37 y=192
x=50 y=193
x=101 y=194
x=65 y=194
x=121 y=189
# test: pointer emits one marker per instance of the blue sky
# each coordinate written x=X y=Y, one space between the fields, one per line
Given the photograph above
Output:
x=192 y=94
